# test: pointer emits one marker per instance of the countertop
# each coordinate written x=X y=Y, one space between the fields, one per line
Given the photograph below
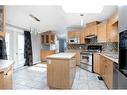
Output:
x=47 y=50
x=111 y=56
x=61 y=56
x=4 y=64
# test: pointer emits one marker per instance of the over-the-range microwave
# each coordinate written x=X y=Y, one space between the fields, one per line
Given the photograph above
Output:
x=74 y=41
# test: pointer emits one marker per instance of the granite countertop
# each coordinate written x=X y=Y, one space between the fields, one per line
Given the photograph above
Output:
x=61 y=56
x=112 y=56
x=5 y=64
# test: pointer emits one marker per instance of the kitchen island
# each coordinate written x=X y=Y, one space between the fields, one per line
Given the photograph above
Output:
x=61 y=70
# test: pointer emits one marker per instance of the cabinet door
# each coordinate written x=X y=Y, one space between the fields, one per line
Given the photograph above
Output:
x=1 y=80
x=112 y=32
x=102 y=69
x=107 y=71
x=43 y=39
x=87 y=31
x=101 y=33
x=82 y=38
x=8 y=79
x=43 y=55
x=71 y=34
x=52 y=39
x=93 y=29
x=109 y=74
x=96 y=64
x=47 y=38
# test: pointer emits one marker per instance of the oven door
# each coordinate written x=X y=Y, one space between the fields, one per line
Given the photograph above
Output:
x=86 y=62
x=84 y=58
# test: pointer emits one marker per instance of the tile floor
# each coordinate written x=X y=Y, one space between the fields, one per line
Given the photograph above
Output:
x=35 y=77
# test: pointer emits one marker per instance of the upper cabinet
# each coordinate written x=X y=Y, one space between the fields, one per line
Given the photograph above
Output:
x=102 y=32
x=82 y=36
x=78 y=35
x=114 y=18
x=91 y=28
x=73 y=34
x=112 y=28
x=47 y=38
x=105 y=31
x=2 y=21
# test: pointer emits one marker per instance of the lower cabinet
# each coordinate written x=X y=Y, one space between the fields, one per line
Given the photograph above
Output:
x=96 y=65
x=107 y=71
x=104 y=67
x=6 y=79
x=45 y=53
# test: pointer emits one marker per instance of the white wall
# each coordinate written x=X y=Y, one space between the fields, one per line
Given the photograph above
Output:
x=51 y=18
x=36 y=47
x=122 y=18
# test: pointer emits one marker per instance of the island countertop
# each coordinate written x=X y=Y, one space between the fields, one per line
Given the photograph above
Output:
x=61 y=56
x=5 y=64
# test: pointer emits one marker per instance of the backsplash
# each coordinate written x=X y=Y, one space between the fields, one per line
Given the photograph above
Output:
x=106 y=47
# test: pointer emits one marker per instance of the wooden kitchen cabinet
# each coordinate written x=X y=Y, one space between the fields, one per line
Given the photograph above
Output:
x=112 y=28
x=91 y=28
x=104 y=67
x=114 y=18
x=47 y=38
x=77 y=58
x=107 y=71
x=102 y=32
x=112 y=32
x=6 y=79
x=45 y=53
x=82 y=37
x=2 y=21
x=96 y=65
x=77 y=34
x=73 y=34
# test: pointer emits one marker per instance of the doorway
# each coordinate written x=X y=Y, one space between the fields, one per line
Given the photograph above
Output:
x=15 y=46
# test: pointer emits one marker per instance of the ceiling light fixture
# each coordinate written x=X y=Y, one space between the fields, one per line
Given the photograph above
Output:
x=32 y=16
x=81 y=20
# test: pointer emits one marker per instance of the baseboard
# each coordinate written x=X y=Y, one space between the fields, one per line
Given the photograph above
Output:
x=36 y=62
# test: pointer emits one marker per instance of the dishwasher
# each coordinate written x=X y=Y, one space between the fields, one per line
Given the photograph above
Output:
x=115 y=75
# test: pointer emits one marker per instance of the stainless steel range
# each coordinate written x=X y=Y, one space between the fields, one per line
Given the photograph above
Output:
x=86 y=57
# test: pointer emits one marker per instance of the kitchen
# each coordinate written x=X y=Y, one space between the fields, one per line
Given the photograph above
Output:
x=81 y=55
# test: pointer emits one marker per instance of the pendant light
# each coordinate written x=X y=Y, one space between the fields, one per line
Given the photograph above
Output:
x=81 y=20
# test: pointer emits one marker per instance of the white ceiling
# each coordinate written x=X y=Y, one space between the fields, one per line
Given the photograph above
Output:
x=52 y=17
